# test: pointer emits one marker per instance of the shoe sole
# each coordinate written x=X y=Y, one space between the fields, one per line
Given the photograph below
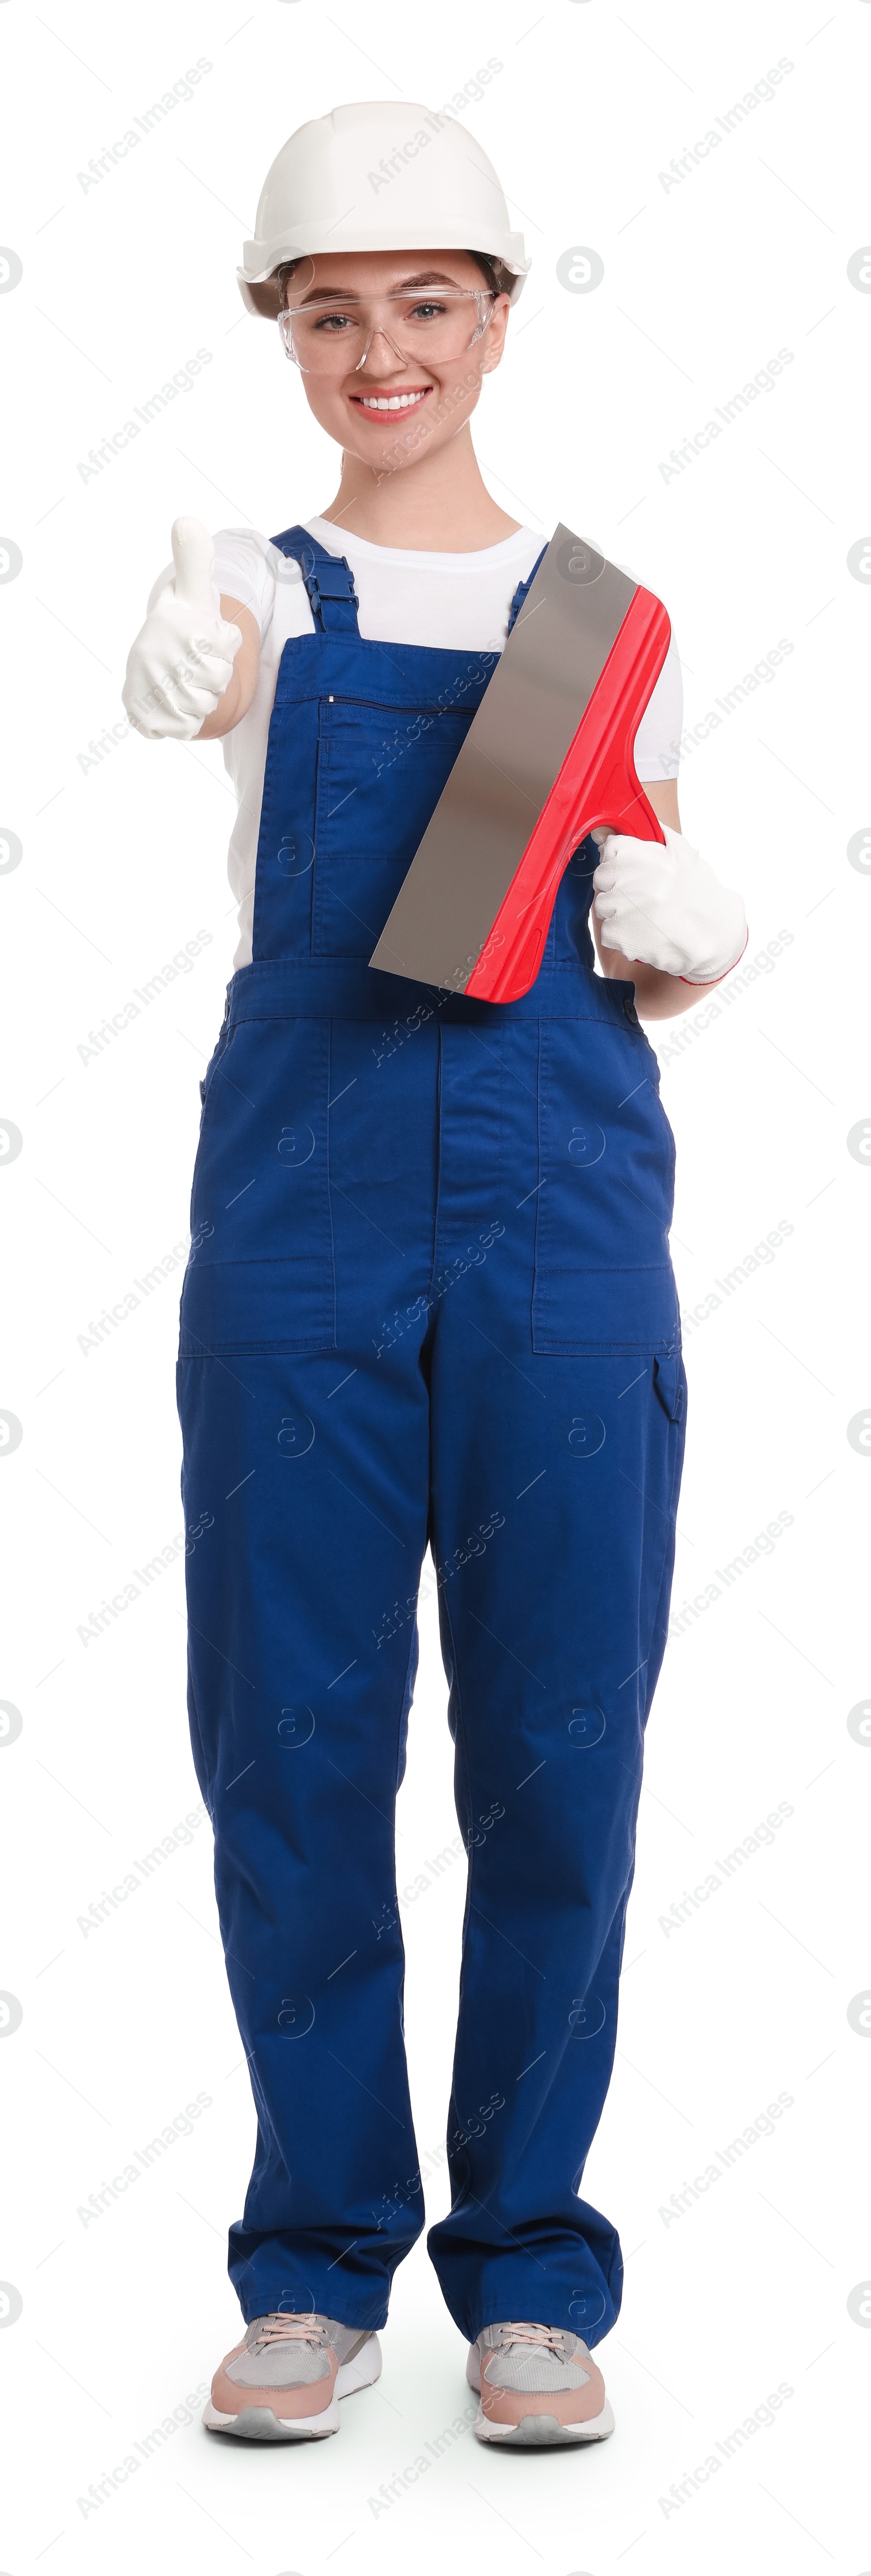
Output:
x=260 y=2424
x=544 y=2432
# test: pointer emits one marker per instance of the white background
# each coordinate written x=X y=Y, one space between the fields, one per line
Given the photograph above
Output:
x=123 y=862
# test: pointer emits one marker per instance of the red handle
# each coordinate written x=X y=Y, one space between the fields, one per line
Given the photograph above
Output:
x=597 y=784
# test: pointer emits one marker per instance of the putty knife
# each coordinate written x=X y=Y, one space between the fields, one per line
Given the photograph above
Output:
x=547 y=757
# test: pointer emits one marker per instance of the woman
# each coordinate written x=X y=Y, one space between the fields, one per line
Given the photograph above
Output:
x=429 y=1299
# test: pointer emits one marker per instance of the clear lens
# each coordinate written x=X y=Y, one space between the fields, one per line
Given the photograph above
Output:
x=332 y=338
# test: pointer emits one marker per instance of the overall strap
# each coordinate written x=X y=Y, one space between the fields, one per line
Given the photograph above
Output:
x=328 y=580
x=523 y=587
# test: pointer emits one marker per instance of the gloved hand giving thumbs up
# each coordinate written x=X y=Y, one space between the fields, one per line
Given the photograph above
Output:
x=182 y=659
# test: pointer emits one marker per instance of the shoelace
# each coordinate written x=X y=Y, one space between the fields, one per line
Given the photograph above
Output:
x=280 y=2329
x=542 y=2338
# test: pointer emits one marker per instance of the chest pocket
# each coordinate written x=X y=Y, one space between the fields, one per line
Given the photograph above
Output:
x=381 y=771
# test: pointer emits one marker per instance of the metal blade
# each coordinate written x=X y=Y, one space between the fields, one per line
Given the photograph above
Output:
x=502 y=777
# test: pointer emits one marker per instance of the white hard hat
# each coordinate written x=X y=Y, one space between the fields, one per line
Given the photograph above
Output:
x=386 y=175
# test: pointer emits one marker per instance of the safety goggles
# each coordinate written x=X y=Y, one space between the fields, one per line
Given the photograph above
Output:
x=333 y=337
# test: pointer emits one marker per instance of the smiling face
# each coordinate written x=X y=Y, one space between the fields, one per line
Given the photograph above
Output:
x=393 y=408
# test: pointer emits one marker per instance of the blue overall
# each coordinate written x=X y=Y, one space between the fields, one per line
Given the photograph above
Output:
x=429 y=1299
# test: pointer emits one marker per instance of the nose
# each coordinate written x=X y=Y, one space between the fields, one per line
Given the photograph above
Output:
x=379 y=333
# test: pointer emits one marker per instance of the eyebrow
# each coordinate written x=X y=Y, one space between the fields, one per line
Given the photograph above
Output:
x=349 y=295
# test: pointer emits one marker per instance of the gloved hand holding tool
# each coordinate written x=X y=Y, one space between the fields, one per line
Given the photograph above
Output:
x=547 y=759
x=661 y=905
x=182 y=658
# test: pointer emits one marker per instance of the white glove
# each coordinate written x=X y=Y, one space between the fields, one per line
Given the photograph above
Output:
x=665 y=907
x=182 y=660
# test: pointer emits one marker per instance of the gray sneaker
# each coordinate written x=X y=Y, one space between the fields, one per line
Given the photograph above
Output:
x=538 y=2385
x=283 y=2382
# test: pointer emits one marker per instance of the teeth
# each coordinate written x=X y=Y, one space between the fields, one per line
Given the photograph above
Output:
x=390 y=402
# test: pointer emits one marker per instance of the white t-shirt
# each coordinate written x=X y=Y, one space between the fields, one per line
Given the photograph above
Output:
x=462 y=601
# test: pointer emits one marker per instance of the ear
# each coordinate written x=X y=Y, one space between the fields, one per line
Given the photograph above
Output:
x=494 y=342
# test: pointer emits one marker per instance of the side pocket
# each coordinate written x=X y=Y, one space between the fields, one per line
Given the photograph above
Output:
x=218 y=1051
x=260 y=1271
x=215 y=1057
x=603 y=1275
x=670 y=1383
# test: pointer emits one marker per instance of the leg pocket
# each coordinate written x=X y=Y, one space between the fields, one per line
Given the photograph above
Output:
x=603 y=1275
x=260 y=1271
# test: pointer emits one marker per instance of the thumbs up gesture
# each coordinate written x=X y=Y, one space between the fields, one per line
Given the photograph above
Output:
x=182 y=659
